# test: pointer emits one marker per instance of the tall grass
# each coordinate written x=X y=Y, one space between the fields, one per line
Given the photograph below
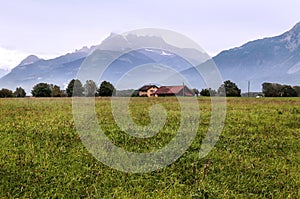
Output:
x=257 y=156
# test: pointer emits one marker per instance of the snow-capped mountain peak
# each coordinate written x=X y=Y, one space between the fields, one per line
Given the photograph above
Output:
x=29 y=60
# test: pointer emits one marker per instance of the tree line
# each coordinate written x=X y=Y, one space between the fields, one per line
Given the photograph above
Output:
x=90 y=89
x=19 y=92
x=74 y=88
x=278 y=90
x=268 y=90
x=228 y=88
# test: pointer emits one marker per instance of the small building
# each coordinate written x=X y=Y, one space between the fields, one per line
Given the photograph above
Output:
x=147 y=90
x=174 y=91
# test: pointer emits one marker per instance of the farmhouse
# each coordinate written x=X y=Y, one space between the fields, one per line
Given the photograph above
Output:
x=174 y=90
x=147 y=90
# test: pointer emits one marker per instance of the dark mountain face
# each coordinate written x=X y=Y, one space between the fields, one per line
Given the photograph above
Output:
x=275 y=59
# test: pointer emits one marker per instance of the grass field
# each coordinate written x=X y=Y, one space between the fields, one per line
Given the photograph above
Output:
x=257 y=156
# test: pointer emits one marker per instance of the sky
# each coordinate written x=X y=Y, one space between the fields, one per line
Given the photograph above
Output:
x=50 y=28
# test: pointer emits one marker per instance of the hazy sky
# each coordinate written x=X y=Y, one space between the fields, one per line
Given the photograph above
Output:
x=50 y=27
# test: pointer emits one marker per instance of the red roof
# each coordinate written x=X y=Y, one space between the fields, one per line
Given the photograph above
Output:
x=147 y=87
x=173 y=90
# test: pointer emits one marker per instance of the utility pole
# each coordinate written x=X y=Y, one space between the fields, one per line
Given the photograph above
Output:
x=248 y=88
x=183 y=90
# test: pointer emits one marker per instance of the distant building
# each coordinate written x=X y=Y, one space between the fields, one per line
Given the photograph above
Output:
x=174 y=91
x=147 y=90
x=253 y=94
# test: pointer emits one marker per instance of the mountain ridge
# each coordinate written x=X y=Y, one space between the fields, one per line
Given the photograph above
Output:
x=274 y=59
x=62 y=69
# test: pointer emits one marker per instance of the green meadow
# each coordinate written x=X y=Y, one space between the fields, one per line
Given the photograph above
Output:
x=257 y=155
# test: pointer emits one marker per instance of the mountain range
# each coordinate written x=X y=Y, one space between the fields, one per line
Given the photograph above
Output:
x=273 y=59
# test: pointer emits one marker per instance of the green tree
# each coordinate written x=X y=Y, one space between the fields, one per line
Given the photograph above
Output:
x=208 y=92
x=231 y=89
x=106 y=89
x=90 y=88
x=41 y=90
x=271 y=89
x=196 y=91
x=75 y=88
x=55 y=91
x=288 y=91
x=297 y=89
x=19 y=92
x=212 y=92
x=278 y=90
x=5 y=93
x=204 y=92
